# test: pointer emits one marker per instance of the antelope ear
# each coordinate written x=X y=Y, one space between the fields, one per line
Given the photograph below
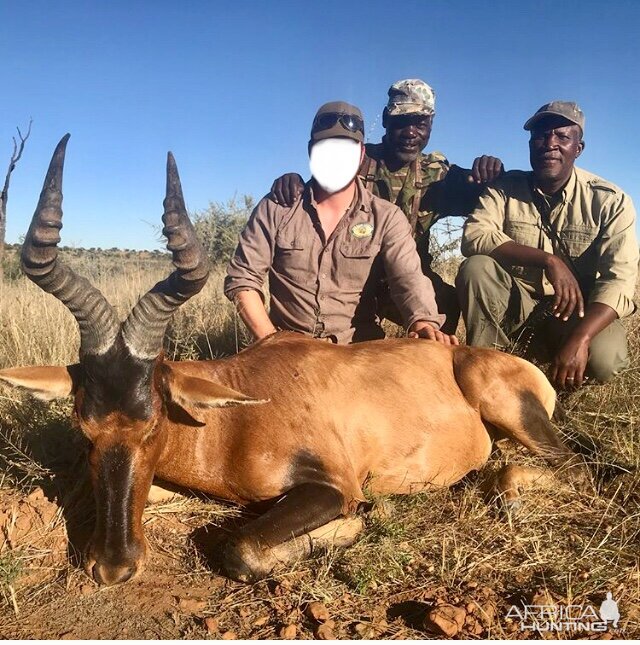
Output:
x=202 y=393
x=46 y=382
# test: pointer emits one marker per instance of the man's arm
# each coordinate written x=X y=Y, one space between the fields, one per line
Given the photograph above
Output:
x=410 y=289
x=248 y=267
x=570 y=362
x=612 y=294
x=617 y=256
x=567 y=294
x=253 y=313
x=457 y=194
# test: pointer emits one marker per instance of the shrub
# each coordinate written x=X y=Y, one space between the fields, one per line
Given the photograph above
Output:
x=219 y=226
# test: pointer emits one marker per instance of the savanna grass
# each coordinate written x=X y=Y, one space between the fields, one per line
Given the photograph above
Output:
x=444 y=545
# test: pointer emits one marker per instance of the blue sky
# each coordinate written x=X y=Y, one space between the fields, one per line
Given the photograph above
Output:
x=231 y=89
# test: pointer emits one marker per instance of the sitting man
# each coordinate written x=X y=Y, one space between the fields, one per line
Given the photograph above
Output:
x=424 y=186
x=326 y=253
x=553 y=249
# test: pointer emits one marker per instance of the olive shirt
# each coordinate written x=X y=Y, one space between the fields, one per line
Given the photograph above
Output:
x=326 y=288
x=444 y=190
x=593 y=218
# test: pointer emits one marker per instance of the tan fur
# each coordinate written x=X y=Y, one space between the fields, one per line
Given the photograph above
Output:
x=399 y=415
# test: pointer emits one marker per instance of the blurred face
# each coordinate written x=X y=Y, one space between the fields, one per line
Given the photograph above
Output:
x=334 y=162
x=407 y=135
x=554 y=146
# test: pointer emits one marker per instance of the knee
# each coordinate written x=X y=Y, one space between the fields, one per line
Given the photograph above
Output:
x=475 y=270
x=606 y=362
x=602 y=367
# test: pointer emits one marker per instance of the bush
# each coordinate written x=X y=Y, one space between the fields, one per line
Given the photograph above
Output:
x=219 y=226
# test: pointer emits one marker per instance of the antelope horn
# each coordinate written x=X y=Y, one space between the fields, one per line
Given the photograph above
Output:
x=96 y=318
x=144 y=328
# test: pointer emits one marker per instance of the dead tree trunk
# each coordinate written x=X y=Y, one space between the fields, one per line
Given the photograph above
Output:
x=4 y=195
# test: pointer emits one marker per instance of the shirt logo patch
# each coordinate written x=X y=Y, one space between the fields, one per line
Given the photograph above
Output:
x=364 y=229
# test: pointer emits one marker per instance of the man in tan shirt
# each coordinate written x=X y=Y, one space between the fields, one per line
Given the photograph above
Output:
x=324 y=255
x=553 y=257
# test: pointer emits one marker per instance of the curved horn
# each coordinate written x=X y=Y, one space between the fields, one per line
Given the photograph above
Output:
x=96 y=318
x=144 y=328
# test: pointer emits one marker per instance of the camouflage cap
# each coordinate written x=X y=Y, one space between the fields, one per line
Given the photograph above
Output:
x=566 y=109
x=411 y=96
x=332 y=125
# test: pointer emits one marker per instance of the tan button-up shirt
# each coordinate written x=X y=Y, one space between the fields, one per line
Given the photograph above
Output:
x=326 y=287
x=594 y=219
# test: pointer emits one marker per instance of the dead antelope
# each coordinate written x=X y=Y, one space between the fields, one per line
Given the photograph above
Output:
x=290 y=419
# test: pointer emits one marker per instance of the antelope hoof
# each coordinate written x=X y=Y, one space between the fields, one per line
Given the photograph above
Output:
x=245 y=563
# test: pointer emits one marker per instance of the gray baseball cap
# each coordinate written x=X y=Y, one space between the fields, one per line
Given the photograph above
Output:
x=337 y=119
x=567 y=109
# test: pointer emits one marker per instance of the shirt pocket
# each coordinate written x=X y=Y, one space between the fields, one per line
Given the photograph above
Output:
x=355 y=260
x=290 y=256
x=523 y=232
x=579 y=238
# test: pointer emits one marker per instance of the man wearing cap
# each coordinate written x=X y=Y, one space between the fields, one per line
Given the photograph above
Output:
x=424 y=186
x=325 y=254
x=552 y=257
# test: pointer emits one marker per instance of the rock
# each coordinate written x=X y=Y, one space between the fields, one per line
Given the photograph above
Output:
x=259 y=622
x=211 y=624
x=487 y=613
x=324 y=631
x=445 y=619
x=317 y=611
x=366 y=631
x=192 y=605
x=35 y=496
x=542 y=597
x=288 y=632
x=229 y=636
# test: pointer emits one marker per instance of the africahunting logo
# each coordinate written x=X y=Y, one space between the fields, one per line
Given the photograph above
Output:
x=567 y=618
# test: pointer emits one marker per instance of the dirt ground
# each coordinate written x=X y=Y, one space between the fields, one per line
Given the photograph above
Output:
x=180 y=595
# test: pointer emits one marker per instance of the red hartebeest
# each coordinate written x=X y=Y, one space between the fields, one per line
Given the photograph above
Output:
x=289 y=419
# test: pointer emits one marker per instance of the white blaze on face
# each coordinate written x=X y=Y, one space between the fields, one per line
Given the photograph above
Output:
x=334 y=163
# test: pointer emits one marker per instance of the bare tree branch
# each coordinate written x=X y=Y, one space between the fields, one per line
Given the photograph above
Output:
x=4 y=195
x=15 y=157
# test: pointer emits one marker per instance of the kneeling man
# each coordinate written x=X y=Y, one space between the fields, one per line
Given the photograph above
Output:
x=325 y=254
x=553 y=249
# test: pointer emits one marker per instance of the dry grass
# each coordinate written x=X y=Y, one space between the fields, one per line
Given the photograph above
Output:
x=453 y=546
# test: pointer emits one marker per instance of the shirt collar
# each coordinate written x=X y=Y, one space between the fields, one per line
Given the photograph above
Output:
x=566 y=193
x=361 y=201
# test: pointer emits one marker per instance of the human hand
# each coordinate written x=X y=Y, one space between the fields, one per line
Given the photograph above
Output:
x=567 y=294
x=287 y=189
x=569 y=364
x=423 y=329
x=485 y=169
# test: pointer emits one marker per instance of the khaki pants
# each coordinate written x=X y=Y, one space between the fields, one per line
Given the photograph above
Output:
x=499 y=312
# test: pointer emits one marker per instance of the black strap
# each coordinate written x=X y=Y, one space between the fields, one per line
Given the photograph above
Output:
x=552 y=233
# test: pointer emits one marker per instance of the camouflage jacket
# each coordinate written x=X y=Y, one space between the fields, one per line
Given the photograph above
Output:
x=442 y=190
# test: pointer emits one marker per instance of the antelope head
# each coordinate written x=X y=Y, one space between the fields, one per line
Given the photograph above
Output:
x=121 y=385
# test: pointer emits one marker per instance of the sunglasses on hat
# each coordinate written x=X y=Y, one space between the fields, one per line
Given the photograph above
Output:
x=327 y=120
